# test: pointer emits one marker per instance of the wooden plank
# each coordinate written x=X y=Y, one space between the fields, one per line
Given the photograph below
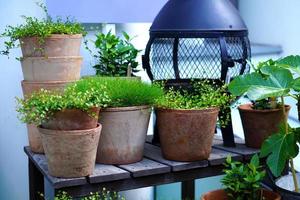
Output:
x=104 y=173
x=218 y=157
x=146 y=167
x=41 y=163
x=240 y=149
x=154 y=153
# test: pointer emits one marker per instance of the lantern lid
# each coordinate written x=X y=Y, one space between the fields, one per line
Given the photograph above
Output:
x=198 y=15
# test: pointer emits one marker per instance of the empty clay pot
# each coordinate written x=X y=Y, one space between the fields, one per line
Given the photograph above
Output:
x=259 y=124
x=123 y=135
x=221 y=195
x=53 y=46
x=72 y=119
x=51 y=68
x=72 y=153
x=186 y=135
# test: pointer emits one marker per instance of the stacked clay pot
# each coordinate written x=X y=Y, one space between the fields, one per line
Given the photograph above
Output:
x=50 y=64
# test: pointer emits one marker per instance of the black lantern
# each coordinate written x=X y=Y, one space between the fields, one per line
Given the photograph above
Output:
x=197 y=39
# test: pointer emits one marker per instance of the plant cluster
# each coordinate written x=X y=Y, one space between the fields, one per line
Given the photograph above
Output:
x=203 y=96
x=115 y=56
x=242 y=181
x=41 y=28
x=40 y=106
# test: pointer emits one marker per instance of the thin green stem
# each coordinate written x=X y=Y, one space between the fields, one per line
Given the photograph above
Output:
x=293 y=96
x=294 y=175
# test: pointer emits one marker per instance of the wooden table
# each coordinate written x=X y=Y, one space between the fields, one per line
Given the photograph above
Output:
x=151 y=171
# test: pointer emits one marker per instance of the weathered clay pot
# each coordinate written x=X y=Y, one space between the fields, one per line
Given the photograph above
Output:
x=221 y=195
x=72 y=119
x=53 y=46
x=51 y=68
x=285 y=187
x=123 y=135
x=70 y=153
x=186 y=135
x=259 y=124
x=35 y=139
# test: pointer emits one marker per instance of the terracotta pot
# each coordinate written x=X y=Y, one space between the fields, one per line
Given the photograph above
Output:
x=285 y=187
x=53 y=46
x=186 y=135
x=51 y=68
x=221 y=195
x=35 y=139
x=123 y=135
x=72 y=153
x=72 y=119
x=259 y=124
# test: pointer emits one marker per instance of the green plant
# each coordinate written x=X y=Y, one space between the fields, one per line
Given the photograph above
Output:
x=204 y=95
x=242 y=181
x=125 y=92
x=115 y=56
x=41 y=28
x=275 y=80
x=40 y=106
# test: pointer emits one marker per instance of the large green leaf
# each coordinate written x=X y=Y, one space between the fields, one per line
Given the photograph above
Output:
x=273 y=82
x=290 y=62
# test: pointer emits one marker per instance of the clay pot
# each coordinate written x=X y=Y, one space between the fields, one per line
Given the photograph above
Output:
x=123 y=135
x=186 y=135
x=35 y=139
x=72 y=119
x=51 y=68
x=221 y=195
x=259 y=124
x=71 y=153
x=53 y=46
x=285 y=187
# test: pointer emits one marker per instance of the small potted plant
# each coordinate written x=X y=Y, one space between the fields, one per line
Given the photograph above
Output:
x=242 y=182
x=125 y=120
x=187 y=120
x=115 y=57
x=68 y=126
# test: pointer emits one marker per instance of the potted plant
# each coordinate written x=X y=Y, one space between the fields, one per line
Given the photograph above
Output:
x=187 y=120
x=242 y=182
x=282 y=147
x=115 y=56
x=125 y=120
x=68 y=126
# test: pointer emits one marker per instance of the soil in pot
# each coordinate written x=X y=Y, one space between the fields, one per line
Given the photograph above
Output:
x=70 y=153
x=123 y=135
x=221 y=195
x=285 y=187
x=186 y=135
x=54 y=46
x=259 y=124
x=72 y=119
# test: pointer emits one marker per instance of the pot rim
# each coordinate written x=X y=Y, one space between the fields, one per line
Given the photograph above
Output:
x=283 y=189
x=67 y=132
x=124 y=109
x=210 y=109
x=247 y=107
x=56 y=36
x=53 y=58
x=26 y=82
x=219 y=190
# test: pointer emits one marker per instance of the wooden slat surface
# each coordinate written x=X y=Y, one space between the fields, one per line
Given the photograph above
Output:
x=146 y=167
x=218 y=157
x=41 y=162
x=154 y=153
x=240 y=149
x=104 y=173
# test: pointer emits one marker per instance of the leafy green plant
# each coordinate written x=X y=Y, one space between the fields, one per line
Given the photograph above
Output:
x=204 y=95
x=41 y=28
x=115 y=56
x=123 y=91
x=40 y=106
x=275 y=80
x=242 y=181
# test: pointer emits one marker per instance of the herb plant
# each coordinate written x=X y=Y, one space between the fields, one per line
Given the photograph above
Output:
x=115 y=56
x=242 y=181
x=204 y=95
x=41 y=28
x=40 y=106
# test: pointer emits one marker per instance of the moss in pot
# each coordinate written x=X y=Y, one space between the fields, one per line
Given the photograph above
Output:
x=187 y=120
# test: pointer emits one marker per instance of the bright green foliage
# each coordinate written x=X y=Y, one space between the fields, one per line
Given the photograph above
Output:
x=125 y=91
x=114 y=55
x=204 y=95
x=40 y=28
x=40 y=106
x=242 y=181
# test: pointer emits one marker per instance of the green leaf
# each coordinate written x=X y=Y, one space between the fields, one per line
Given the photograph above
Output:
x=290 y=62
x=274 y=82
x=255 y=160
x=296 y=84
